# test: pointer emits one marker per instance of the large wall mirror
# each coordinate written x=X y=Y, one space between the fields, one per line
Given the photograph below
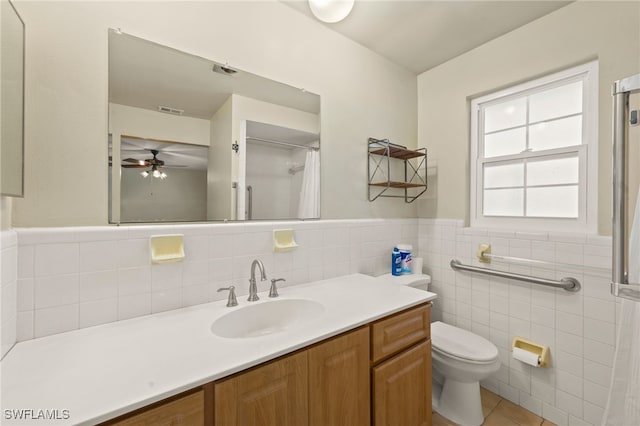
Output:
x=12 y=99
x=194 y=140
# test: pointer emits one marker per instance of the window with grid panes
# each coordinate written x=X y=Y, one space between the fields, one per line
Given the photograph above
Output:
x=534 y=153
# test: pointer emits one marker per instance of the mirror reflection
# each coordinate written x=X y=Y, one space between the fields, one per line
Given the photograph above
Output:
x=12 y=99
x=162 y=180
x=288 y=187
x=192 y=140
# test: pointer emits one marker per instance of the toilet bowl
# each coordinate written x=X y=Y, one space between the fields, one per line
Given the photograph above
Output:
x=461 y=359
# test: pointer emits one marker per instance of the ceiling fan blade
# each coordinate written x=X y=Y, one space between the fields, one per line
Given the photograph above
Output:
x=133 y=166
x=133 y=160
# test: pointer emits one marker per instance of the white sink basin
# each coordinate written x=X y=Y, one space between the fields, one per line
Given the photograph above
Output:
x=266 y=318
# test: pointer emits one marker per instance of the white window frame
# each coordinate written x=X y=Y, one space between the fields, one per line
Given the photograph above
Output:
x=587 y=154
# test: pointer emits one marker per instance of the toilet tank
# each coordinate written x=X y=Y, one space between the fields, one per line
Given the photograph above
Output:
x=419 y=281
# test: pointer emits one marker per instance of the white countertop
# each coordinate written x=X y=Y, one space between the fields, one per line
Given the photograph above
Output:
x=101 y=372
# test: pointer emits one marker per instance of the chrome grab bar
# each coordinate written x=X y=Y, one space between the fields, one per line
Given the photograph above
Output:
x=567 y=283
x=620 y=286
x=250 y=203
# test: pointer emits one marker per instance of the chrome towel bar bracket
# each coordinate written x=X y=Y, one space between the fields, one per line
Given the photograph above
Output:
x=567 y=283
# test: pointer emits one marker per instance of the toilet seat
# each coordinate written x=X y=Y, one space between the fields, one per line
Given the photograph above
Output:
x=461 y=344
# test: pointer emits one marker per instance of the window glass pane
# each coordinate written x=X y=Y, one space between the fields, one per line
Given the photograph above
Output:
x=557 y=102
x=556 y=201
x=553 y=172
x=503 y=202
x=505 y=143
x=505 y=115
x=505 y=175
x=556 y=134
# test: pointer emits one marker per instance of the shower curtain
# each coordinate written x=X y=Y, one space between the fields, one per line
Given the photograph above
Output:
x=623 y=405
x=309 y=205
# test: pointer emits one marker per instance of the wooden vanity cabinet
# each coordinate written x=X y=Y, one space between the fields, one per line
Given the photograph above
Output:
x=178 y=411
x=402 y=388
x=339 y=381
x=327 y=384
x=401 y=356
x=274 y=394
x=379 y=374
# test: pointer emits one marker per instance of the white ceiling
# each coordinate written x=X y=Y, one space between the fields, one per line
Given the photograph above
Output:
x=422 y=34
x=146 y=75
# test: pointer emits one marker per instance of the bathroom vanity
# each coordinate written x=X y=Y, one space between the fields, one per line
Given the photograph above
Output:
x=325 y=384
x=363 y=359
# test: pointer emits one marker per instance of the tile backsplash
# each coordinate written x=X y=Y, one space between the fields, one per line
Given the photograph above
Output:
x=8 y=289
x=70 y=278
x=579 y=328
x=61 y=279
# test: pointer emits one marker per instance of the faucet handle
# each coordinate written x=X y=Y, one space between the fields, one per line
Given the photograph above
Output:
x=231 y=300
x=273 y=291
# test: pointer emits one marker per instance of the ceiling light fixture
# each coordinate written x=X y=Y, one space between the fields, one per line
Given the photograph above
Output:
x=154 y=172
x=331 y=11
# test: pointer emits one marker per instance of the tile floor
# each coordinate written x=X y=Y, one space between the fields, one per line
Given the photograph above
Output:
x=499 y=412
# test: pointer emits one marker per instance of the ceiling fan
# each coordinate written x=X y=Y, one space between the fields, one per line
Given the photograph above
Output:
x=154 y=163
x=141 y=164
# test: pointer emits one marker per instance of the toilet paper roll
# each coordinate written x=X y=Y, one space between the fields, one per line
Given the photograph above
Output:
x=526 y=357
x=416 y=265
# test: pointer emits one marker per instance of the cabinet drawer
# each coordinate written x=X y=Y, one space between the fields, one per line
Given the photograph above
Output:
x=185 y=411
x=391 y=335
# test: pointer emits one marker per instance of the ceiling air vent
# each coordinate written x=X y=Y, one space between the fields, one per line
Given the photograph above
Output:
x=169 y=110
x=224 y=69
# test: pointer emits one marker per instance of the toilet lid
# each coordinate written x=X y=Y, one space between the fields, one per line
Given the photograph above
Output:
x=461 y=343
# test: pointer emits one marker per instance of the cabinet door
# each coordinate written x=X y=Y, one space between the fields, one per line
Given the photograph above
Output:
x=186 y=411
x=402 y=388
x=339 y=391
x=271 y=395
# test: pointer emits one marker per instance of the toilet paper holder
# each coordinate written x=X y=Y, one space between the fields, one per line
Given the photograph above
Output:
x=541 y=351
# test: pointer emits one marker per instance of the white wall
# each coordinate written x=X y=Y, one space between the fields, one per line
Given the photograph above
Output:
x=66 y=79
x=577 y=33
x=298 y=158
x=221 y=157
x=144 y=123
x=181 y=197
x=248 y=109
x=12 y=102
x=5 y=212
x=268 y=174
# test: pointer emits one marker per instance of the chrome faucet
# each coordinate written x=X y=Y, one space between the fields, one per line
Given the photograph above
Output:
x=253 y=288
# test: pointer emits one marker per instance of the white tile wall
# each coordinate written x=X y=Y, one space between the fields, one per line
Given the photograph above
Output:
x=8 y=290
x=60 y=279
x=578 y=327
x=70 y=278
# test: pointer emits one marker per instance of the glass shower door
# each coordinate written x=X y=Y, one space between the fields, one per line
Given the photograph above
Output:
x=623 y=404
x=626 y=178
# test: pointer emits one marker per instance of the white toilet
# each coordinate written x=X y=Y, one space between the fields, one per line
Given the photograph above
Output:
x=460 y=360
